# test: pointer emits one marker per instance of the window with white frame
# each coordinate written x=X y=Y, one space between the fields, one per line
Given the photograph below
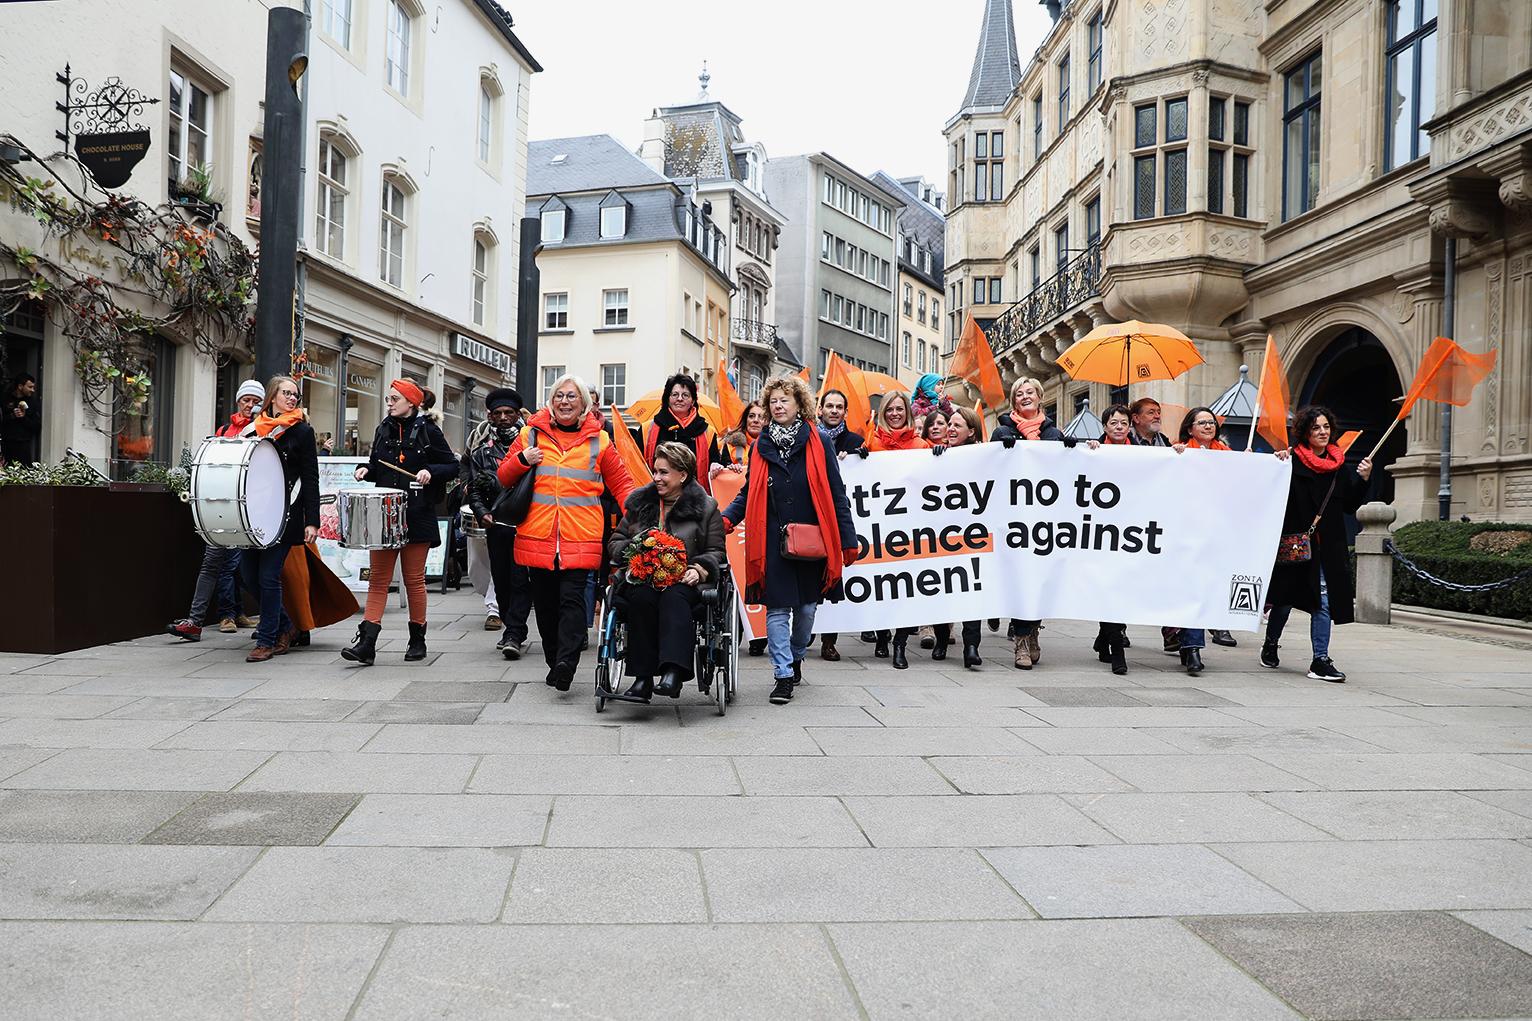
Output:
x=989 y=166
x=335 y=20
x=396 y=61
x=553 y=221
x=614 y=307
x=1037 y=125
x=920 y=306
x=486 y=121
x=330 y=216
x=191 y=125
x=394 y=224
x=909 y=307
x=614 y=384
x=556 y=311
x=904 y=349
x=614 y=221
x=551 y=375
x=479 y=296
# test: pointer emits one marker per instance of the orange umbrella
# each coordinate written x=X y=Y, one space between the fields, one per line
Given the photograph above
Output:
x=1119 y=354
x=646 y=407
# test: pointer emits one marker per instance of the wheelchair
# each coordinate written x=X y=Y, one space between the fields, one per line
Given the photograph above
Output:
x=718 y=637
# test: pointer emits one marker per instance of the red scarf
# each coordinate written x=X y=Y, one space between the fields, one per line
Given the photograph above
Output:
x=702 y=444
x=896 y=439
x=1124 y=442
x=266 y=424
x=1030 y=428
x=1215 y=445
x=1321 y=464
x=755 y=517
x=688 y=420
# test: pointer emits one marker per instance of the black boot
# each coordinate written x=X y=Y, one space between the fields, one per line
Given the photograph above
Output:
x=971 y=655
x=416 y=650
x=900 y=662
x=365 y=649
x=670 y=683
x=1192 y=658
x=797 y=671
x=880 y=649
x=942 y=641
x=1102 y=644
x=757 y=646
x=641 y=690
x=1115 y=657
x=1220 y=637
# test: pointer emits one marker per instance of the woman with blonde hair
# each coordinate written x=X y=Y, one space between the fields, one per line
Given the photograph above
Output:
x=798 y=530
x=894 y=426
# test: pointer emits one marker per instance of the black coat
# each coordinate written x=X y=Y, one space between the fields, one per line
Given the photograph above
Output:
x=412 y=444
x=300 y=463
x=693 y=518
x=1005 y=429
x=847 y=442
x=481 y=487
x=1298 y=584
x=793 y=583
x=671 y=431
x=19 y=435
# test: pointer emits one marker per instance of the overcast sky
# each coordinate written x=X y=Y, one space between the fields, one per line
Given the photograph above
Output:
x=861 y=79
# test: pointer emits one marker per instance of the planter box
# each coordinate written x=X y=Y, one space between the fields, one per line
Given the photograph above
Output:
x=88 y=566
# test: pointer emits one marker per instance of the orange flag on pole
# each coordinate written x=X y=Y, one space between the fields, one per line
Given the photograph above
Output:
x=974 y=363
x=1347 y=438
x=1271 y=401
x=1448 y=374
x=730 y=407
x=978 y=409
x=632 y=457
x=842 y=377
x=803 y=374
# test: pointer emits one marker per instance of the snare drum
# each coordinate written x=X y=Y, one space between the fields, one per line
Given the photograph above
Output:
x=373 y=518
x=238 y=492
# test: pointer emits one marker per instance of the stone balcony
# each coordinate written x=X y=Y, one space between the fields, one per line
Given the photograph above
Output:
x=1028 y=337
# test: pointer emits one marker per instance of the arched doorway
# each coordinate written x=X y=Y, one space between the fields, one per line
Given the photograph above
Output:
x=1355 y=377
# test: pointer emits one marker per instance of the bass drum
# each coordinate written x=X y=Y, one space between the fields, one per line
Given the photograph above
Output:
x=238 y=492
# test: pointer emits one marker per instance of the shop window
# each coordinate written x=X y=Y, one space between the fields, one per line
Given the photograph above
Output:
x=143 y=433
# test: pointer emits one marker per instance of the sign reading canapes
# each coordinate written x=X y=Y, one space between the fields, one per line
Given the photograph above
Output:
x=1144 y=536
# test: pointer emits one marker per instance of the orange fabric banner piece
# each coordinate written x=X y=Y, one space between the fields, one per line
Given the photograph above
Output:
x=632 y=457
x=978 y=409
x=1448 y=374
x=730 y=407
x=803 y=374
x=726 y=486
x=846 y=379
x=1347 y=439
x=1272 y=399
x=974 y=363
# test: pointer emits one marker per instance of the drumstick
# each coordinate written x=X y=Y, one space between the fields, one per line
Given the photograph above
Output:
x=395 y=467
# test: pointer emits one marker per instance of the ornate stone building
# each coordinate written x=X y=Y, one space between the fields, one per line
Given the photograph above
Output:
x=1293 y=168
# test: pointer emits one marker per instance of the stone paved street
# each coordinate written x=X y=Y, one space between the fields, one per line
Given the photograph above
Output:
x=183 y=835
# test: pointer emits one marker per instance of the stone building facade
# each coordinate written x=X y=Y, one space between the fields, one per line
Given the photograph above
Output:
x=1292 y=168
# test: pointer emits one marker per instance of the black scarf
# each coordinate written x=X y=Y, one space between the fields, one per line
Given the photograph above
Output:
x=784 y=436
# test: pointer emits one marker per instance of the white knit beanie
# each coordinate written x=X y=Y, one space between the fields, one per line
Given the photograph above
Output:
x=250 y=388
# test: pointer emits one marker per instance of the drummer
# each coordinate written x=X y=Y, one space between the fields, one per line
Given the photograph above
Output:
x=409 y=452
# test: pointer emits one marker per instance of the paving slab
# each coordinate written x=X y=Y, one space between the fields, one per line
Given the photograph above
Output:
x=158 y=685
x=180 y=971
x=494 y=738
x=604 y=774
x=855 y=884
x=949 y=716
x=1124 y=969
x=1184 y=818
x=767 y=715
x=138 y=769
x=1513 y=927
x=609 y=971
x=1402 y=815
x=255 y=818
x=1444 y=738
x=1417 y=965
x=1396 y=875
x=1248 y=739
x=1136 y=716
x=363 y=772
x=445 y=820
x=1095 y=741
x=273 y=736
x=455 y=691
x=59 y=881
x=157 y=707
x=1082 y=696
x=1402 y=771
x=1132 y=881
x=1519 y=802
x=15 y=760
x=1206 y=773
x=454 y=713
x=527 y=710
x=1466 y=716
x=918 y=741
x=290 y=710
x=605 y=885
x=76 y=733
x=1313 y=717
x=646 y=821
x=843 y=774
x=1025 y=774
x=1308 y=693
x=86 y=817
x=370 y=884
x=1007 y=696
x=354 y=686
x=724 y=738
x=61 y=707
x=1441 y=694
x=974 y=821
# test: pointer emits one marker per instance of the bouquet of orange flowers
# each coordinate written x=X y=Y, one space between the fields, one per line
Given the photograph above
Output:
x=655 y=558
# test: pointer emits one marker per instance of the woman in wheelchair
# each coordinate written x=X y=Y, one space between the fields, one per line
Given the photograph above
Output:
x=661 y=622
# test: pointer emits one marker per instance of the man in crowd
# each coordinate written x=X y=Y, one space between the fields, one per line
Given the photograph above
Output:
x=511 y=584
x=1145 y=413
x=832 y=422
x=21 y=421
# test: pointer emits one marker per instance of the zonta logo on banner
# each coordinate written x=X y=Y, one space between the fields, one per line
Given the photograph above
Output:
x=1140 y=535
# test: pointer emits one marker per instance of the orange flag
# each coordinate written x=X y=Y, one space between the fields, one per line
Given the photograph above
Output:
x=730 y=407
x=632 y=457
x=978 y=409
x=1447 y=373
x=974 y=362
x=1272 y=400
x=1348 y=438
x=842 y=377
x=803 y=374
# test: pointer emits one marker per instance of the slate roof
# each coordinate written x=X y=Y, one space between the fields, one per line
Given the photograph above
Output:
x=926 y=225
x=501 y=19
x=651 y=217
x=590 y=162
x=997 y=63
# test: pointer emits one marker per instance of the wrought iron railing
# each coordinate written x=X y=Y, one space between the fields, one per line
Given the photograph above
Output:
x=1070 y=287
x=752 y=332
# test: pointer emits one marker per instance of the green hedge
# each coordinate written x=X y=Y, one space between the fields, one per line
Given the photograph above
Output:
x=1441 y=547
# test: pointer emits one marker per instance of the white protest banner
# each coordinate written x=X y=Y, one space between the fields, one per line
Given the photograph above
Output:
x=1130 y=534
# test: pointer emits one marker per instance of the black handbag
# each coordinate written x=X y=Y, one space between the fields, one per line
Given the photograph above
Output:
x=512 y=505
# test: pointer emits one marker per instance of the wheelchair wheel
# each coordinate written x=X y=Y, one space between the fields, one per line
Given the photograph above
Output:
x=609 y=655
x=728 y=652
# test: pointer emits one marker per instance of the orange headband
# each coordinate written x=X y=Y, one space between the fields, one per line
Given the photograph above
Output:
x=409 y=391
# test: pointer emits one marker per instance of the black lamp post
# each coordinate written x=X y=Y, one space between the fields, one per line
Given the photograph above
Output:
x=281 y=185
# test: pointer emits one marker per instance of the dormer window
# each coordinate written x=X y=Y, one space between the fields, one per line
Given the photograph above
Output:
x=555 y=218
x=614 y=216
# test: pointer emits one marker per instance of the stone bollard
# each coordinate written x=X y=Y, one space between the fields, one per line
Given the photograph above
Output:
x=1374 y=564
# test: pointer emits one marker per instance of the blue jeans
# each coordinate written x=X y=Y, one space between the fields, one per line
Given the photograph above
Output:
x=262 y=570
x=788 y=632
x=1194 y=638
x=228 y=588
x=1319 y=623
x=590 y=599
x=215 y=580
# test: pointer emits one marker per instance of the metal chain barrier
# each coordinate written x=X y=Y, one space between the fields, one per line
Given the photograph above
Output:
x=1427 y=576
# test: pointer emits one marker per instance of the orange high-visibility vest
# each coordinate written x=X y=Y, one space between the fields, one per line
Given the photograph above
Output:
x=564 y=524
